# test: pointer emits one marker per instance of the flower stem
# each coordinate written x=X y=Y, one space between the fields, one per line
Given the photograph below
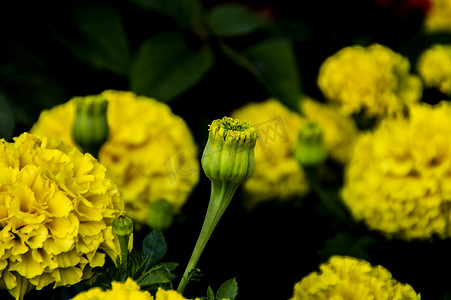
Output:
x=220 y=196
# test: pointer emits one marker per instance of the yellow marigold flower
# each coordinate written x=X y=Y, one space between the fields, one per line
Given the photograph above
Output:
x=129 y=290
x=276 y=174
x=339 y=130
x=434 y=67
x=437 y=19
x=349 y=278
x=150 y=153
x=373 y=80
x=398 y=180
x=56 y=212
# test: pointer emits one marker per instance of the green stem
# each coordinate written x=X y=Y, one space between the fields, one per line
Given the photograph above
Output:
x=221 y=194
x=123 y=242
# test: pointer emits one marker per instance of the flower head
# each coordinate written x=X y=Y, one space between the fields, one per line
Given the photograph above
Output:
x=276 y=174
x=229 y=153
x=150 y=152
x=398 y=180
x=434 y=67
x=129 y=290
x=353 y=279
x=372 y=80
x=56 y=212
x=437 y=19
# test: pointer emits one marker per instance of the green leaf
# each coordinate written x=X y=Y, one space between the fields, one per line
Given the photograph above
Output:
x=210 y=294
x=231 y=19
x=154 y=247
x=100 y=39
x=228 y=290
x=154 y=278
x=7 y=121
x=187 y=13
x=273 y=61
x=165 y=67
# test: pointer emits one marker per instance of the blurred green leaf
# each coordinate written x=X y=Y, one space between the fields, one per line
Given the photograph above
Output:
x=231 y=19
x=7 y=121
x=347 y=243
x=228 y=290
x=100 y=39
x=273 y=62
x=165 y=67
x=187 y=13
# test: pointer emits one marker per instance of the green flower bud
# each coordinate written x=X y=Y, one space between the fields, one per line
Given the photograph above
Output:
x=90 y=129
x=160 y=215
x=229 y=153
x=310 y=149
x=228 y=160
x=123 y=229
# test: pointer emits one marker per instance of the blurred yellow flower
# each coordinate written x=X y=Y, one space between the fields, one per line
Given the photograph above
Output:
x=276 y=174
x=56 y=212
x=339 y=130
x=438 y=17
x=434 y=67
x=399 y=178
x=150 y=153
x=129 y=290
x=373 y=80
x=349 y=278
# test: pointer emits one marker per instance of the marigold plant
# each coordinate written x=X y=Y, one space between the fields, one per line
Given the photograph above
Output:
x=349 y=278
x=373 y=80
x=276 y=172
x=150 y=153
x=434 y=67
x=57 y=206
x=398 y=180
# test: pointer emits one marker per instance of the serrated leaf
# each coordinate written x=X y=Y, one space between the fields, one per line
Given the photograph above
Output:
x=273 y=62
x=228 y=290
x=187 y=13
x=210 y=294
x=7 y=121
x=231 y=19
x=154 y=247
x=100 y=39
x=165 y=67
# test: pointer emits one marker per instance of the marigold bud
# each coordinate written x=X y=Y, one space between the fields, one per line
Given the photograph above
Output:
x=90 y=129
x=160 y=215
x=229 y=153
x=123 y=229
x=310 y=149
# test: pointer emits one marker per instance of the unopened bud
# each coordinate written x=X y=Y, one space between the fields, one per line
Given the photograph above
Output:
x=310 y=149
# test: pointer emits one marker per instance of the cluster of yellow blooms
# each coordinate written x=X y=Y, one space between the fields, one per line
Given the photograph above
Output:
x=399 y=184
x=349 y=278
x=278 y=131
x=56 y=212
x=437 y=19
x=150 y=152
x=128 y=290
x=373 y=80
x=434 y=67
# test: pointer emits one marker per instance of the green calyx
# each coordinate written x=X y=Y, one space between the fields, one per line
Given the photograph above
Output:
x=123 y=229
x=310 y=149
x=229 y=153
x=90 y=129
